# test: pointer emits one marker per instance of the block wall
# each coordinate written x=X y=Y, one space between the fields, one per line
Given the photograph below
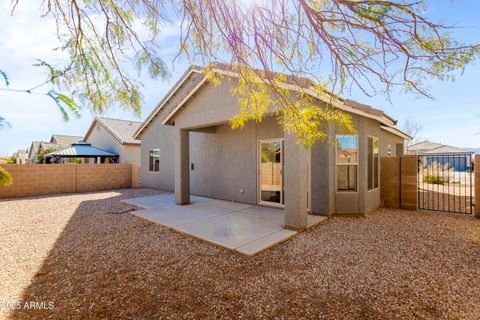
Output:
x=45 y=179
x=399 y=182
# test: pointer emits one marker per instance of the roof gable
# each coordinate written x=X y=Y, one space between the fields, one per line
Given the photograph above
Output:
x=34 y=148
x=64 y=140
x=293 y=83
x=121 y=130
x=425 y=145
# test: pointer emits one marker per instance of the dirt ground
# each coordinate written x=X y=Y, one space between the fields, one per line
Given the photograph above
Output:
x=84 y=256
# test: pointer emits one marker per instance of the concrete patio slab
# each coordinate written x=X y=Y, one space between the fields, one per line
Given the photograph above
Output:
x=163 y=200
x=313 y=220
x=266 y=242
x=271 y=214
x=245 y=228
x=227 y=205
x=231 y=230
x=179 y=215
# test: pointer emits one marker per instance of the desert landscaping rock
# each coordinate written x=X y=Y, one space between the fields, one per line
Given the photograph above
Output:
x=71 y=250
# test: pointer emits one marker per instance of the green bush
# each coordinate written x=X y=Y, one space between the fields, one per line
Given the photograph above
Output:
x=5 y=178
x=434 y=179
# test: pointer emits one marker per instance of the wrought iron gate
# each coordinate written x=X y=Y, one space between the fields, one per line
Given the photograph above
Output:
x=445 y=183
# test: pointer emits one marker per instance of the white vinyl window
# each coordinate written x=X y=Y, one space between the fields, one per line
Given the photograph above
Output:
x=347 y=162
x=154 y=160
x=373 y=162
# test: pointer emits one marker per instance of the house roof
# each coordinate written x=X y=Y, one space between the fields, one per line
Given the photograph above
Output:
x=64 y=140
x=122 y=130
x=47 y=145
x=81 y=149
x=33 y=148
x=429 y=147
x=292 y=82
x=22 y=151
x=424 y=145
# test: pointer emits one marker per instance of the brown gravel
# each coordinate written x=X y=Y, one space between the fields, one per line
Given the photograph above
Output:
x=95 y=264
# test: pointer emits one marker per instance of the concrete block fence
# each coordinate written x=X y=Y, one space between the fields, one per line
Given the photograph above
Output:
x=47 y=179
x=399 y=183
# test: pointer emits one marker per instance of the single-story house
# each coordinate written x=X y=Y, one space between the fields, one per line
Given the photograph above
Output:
x=188 y=146
x=115 y=136
x=459 y=159
x=21 y=156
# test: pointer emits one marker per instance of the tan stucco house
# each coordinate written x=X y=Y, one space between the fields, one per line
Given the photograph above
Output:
x=115 y=136
x=188 y=146
x=21 y=156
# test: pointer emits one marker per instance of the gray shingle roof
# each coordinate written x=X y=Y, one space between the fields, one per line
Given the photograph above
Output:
x=449 y=149
x=122 y=130
x=65 y=140
x=429 y=147
x=48 y=145
x=425 y=145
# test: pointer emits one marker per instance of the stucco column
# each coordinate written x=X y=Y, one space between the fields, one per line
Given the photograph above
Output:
x=477 y=185
x=182 y=170
x=295 y=175
x=322 y=175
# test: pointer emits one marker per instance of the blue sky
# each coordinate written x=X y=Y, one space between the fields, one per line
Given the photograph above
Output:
x=453 y=117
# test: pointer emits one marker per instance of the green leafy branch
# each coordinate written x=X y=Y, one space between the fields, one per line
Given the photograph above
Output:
x=65 y=104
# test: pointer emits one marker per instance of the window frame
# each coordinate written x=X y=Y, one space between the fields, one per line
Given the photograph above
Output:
x=373 y=163
x=151 y=155
x=349 y=164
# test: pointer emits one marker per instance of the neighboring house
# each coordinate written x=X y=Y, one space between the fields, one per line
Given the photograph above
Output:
x=21 y=156
x=188 y=146
x=459 y=159
x=33 y=150
x=115 y=136
x=57 y=142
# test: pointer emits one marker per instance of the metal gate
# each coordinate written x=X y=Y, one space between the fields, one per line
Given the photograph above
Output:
x=445 y=183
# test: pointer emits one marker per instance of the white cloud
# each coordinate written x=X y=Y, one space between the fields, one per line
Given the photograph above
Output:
x=26 y=36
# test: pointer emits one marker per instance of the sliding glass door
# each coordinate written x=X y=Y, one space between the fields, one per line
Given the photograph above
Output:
x=270 y=172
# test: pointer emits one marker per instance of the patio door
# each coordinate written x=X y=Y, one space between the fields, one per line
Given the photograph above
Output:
x=270 y=172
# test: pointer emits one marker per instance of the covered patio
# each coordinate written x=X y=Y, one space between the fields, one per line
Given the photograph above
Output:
x=245 y=228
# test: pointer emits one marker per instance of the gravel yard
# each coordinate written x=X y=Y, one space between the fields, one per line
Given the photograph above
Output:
x=92 y=261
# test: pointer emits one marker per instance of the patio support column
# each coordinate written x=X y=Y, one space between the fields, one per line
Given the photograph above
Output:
x=295 y=177
x=322 y=175
x=182 y=167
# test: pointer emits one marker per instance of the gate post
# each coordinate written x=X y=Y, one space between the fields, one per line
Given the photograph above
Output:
x=476 y=177
x=409 y=182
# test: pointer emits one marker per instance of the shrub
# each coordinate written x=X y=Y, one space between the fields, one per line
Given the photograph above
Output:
x=5 y=178
x=434 y=180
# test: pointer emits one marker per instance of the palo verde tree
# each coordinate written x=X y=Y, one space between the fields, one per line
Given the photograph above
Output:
x=373 y=45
